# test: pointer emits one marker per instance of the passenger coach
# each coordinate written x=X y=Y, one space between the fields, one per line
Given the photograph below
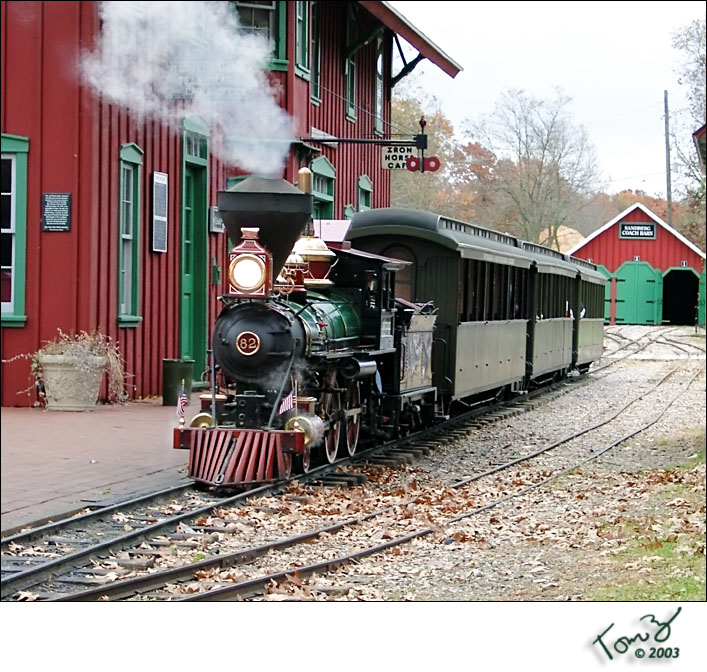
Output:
x=510 y=313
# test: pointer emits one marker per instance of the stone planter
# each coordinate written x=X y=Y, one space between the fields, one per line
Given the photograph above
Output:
x=72 y=384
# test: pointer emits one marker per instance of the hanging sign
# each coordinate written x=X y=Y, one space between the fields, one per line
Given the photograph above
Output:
x=395 y=157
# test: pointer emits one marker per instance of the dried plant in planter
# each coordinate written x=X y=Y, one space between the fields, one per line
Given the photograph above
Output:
x=90 y=355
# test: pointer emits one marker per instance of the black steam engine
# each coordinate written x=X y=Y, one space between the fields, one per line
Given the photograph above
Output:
x=307 y=349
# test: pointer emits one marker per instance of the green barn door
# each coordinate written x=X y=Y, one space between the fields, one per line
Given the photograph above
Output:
x=639 y=292
x=193 y=317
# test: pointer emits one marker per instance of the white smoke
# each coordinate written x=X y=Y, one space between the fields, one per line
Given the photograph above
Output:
x=169 y=60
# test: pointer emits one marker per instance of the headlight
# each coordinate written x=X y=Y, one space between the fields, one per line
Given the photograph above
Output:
x=247 y=273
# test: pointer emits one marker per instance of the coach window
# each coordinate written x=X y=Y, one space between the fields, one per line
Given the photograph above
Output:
x=487 y=314
x=479 y=294
x=269 y=20
x=404 y=277
x=470 y=290
x=129 y=247
x=14 y=229
x=323 y=180
x=500 y=285
x=521 y=292
x=466 y=290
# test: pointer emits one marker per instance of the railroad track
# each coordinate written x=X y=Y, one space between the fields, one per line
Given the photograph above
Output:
x=66 y=552
x=206 y=568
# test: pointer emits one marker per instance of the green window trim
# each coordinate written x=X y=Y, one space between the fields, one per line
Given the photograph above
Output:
x=323 y=183
x=316 y=54
x=302 y=54
x=130 y=191
x=17 y=148
x=349 y=211
x=379 y=90
x=364 y=193
x=279 y=61
x=350 y=68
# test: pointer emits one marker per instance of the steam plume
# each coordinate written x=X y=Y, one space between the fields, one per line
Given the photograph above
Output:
x=170 y=60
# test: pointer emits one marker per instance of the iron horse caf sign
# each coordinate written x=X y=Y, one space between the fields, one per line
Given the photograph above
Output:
x=637 y=230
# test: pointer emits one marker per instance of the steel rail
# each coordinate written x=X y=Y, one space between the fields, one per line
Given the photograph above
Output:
x=254 y=585
x=148 y=582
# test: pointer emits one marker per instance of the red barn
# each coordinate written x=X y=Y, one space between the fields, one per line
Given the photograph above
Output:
x=654 y=270
x=111 y=161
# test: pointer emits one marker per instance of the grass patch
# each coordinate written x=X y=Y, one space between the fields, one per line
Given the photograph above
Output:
x=663 y=556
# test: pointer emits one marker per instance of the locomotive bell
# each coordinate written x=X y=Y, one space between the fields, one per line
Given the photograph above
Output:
x=318 y=256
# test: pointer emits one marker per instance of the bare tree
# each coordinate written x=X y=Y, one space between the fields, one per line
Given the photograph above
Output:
x=691 y=41
x=545 y=171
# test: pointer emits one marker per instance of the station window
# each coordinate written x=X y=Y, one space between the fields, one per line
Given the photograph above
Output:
x=14 y=229
x=315 y=53
x=302 y=38
x=269 y=20
x=129 y=244
x=365 y=193
x=323 y=182
x=350 y=66
x=379 y=89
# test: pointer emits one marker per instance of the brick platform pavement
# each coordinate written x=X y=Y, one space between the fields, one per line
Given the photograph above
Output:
x=55 y=462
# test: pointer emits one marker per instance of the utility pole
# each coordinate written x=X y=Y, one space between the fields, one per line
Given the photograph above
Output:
x=667 y=161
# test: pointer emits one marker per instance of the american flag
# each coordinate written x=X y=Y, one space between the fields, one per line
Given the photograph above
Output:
x=288 y=402
x=182 y=401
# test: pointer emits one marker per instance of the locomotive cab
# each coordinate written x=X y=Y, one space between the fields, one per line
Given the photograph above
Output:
x=369 y=282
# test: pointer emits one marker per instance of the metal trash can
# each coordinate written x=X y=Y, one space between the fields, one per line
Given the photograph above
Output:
x=173 y=372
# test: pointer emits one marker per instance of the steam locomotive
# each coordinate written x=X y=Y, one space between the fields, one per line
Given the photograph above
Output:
x=319 y=348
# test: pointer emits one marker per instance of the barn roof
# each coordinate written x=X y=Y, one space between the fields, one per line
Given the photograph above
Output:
x=648 y=213
x=392 y=19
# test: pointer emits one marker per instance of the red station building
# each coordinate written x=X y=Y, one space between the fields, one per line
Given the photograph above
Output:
x=109 y=219
x=656 y=275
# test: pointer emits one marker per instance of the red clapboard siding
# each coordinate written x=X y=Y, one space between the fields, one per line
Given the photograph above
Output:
x=75 y=140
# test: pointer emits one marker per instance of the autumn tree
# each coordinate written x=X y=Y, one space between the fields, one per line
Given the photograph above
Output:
x=545 y=170
x=444 y=191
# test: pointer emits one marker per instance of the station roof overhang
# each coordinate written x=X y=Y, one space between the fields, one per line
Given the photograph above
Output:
x=396 y=22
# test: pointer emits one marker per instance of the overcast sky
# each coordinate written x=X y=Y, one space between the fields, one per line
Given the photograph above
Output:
x=614 y=59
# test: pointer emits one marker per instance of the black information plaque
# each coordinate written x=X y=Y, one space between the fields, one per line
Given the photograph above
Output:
x=56 y=212
x=637 y=230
